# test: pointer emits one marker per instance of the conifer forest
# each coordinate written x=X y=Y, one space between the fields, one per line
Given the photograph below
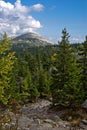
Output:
x=57 y=72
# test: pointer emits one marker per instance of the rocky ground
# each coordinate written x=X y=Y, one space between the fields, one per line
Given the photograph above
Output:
x=37 y=116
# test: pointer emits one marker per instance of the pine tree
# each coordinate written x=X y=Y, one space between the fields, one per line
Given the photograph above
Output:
x=83 y=66
x=26 y=77
x=64 y=88
x=7 y=60
x=44 y=83
x=29 y=88
x=43 y=78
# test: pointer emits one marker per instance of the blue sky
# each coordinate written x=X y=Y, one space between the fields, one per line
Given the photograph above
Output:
x=57 y=14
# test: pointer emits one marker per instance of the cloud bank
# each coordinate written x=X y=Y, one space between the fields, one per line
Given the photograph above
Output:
x=16 y=19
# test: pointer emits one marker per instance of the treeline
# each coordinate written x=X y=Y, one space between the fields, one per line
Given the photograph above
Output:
x=58 y=72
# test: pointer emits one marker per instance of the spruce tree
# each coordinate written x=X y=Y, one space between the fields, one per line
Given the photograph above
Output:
x=65 y=80
x=7 y=60
x=43 y=77
x=83 y=66
x=29 y=89
x=43 y=83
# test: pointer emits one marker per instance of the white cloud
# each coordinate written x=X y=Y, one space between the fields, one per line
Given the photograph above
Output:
x=15 y=18
x=37 y=7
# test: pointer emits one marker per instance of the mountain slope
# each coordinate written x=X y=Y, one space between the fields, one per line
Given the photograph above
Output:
x=32 y=39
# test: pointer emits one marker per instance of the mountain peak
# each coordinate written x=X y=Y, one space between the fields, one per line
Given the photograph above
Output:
x=32 y=38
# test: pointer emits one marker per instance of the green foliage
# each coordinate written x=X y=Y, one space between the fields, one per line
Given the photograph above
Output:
x=7 y=60
x=44 y=83
x=29 y=88
x=32 y=79
x=65 y=89
x=83 y=66
x=39 y=72
x=43 y=80
x=25 y=73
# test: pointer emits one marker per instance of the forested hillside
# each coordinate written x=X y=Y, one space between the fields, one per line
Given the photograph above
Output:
x=54 y=71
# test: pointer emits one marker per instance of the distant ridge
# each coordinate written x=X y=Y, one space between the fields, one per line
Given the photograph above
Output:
x=32 y=39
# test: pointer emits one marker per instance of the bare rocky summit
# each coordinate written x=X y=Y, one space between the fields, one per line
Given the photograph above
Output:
x=32 y=39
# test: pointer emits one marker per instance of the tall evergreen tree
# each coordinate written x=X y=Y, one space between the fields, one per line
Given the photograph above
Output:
x=64 y=88
x=43 y=78
x=7 y=60
x=44 y=83
x=26 y=77
x=29 y=88
x=83 y=66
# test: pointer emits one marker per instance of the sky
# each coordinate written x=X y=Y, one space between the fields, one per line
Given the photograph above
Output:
x=45 y=17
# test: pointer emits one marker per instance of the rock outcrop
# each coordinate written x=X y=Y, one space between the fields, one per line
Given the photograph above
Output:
x=35 y=116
